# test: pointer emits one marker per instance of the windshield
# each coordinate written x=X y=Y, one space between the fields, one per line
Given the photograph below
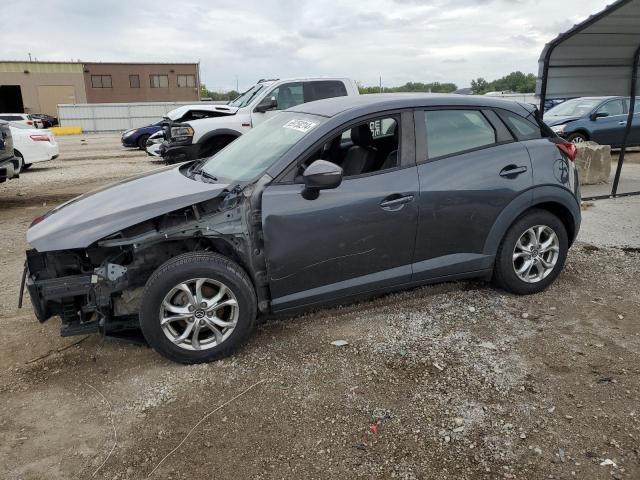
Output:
x=259 y=148
x=577 y=107
x=244 y=98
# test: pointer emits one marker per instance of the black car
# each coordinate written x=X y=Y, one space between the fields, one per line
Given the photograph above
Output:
x=48 y=121
x=10 y=165
x=325 y=202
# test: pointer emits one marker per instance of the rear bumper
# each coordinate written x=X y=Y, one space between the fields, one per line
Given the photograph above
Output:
x=182 y=153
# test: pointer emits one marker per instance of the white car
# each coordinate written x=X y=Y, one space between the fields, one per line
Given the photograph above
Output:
x=154 y=143
x=33 y=146
x=23 y=118
x=203 y=137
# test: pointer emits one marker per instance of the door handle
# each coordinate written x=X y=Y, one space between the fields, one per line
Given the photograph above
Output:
x=622 y=123
x=512 y=170
x=395 y=202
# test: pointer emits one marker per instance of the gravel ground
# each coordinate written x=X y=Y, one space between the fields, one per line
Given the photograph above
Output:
x=452 y=381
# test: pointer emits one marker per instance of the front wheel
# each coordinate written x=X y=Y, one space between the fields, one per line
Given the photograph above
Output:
x=532 y=253
x=198 y=307
x=142 y=142
x=577 y=137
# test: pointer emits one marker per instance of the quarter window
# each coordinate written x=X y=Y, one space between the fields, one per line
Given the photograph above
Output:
x=134 y=81
x=186 y=81
x=101 y=81
x=323 y=89
x=522 y=128
x=159 y=81
x=455 y=131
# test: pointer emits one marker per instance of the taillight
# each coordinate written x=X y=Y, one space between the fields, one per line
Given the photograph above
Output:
x=39 y=138
x=37 y=220
x=29 y=122
x=569 y=149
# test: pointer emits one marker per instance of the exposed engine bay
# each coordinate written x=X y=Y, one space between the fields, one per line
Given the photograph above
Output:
x=99 y=288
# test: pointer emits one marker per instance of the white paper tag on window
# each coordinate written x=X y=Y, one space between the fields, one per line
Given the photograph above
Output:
x=300 y=125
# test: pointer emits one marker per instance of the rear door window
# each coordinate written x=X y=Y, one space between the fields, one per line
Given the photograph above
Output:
x=319 y=90
x=455 y=131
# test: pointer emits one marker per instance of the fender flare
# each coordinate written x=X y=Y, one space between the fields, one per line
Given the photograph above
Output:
x=217 y=133
x=525 y=201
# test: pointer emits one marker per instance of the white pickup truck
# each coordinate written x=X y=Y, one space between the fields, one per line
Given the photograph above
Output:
x=204 y=137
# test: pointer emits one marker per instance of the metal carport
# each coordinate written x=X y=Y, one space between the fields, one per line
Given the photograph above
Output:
x=595 y=58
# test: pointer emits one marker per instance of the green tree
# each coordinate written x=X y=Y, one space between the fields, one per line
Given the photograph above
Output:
x=515 y=82
x=205 y=93
x=434 y=87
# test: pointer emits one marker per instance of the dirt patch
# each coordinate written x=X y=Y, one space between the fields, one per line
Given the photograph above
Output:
x=452 y=381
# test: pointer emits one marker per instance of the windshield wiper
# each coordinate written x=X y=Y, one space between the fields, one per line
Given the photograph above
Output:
x=197 y=169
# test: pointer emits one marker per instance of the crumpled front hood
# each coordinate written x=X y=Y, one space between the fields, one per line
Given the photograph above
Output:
x=86 y=219
x=217 y=110
x=551 y=121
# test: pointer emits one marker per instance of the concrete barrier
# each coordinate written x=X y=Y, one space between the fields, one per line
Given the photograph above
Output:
x=593 y=162
x=57 y=131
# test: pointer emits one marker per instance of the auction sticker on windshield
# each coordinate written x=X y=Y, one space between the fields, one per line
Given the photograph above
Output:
x=300 y=125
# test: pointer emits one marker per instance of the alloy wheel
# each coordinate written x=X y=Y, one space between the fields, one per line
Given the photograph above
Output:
x=536 y=253
x=199 y=314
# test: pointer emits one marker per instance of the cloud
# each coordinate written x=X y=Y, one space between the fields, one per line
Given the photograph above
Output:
x=400 y=40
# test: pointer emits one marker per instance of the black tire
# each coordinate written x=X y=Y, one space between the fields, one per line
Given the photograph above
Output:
x=577 y=137
x=504 y=275
x=25 y=166
x=180 y=269
x=213 y=146
x=142 y=141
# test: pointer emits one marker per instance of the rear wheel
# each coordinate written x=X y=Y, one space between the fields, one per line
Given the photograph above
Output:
x=198 y=307
x=532 y=253
x=142 y=142
x=577 y=137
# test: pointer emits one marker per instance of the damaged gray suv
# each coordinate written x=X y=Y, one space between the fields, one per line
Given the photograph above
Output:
x=326 y=202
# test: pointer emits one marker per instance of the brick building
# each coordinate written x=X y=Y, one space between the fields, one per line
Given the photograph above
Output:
x=38 y=87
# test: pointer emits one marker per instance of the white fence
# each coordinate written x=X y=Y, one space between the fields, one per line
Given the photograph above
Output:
x=113 y=117
x=518 y=97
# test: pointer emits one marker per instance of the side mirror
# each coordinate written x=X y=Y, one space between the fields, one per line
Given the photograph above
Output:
x=267 y=103
x=322 y=175
x=596 y=115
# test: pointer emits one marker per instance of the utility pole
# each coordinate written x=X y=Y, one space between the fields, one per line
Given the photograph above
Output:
x=237 y=90
x=29 y=56
x=380 y=83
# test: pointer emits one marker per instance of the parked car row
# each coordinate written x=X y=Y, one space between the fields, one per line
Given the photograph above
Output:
x=35 y=120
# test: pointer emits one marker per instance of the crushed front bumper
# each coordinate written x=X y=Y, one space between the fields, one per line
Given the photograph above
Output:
x=44 y=293
x=179 y=153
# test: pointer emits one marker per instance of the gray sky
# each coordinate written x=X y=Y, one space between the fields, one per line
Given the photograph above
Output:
x=402 y=40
